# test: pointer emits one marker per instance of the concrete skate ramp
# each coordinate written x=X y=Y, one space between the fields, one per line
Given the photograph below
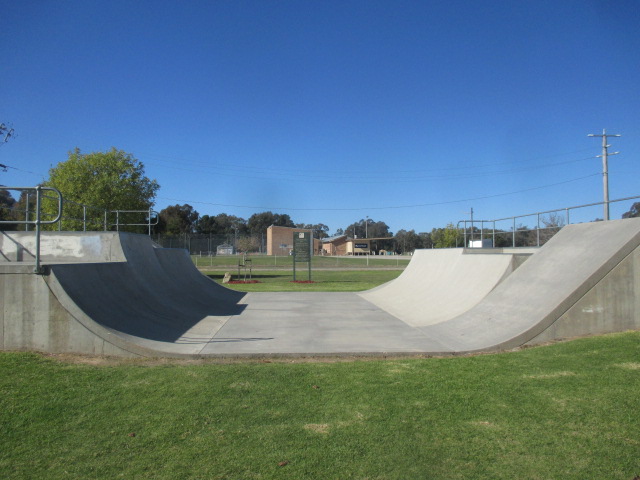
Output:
x=146 y=300
x=117 y=294
x=585 y=280
x=441 y=284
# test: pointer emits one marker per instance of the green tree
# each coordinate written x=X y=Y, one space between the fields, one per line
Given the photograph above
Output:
x=408 y=241
x=320 y=230
x=634 y=211
x=368 y=228
x=112 y=180
x=259 y=222
x=445 y=237
x=221 y=224
x=177 y=219
x=7 y=206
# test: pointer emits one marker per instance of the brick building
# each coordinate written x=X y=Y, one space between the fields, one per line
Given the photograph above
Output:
x=280 y=240
x=343 y=245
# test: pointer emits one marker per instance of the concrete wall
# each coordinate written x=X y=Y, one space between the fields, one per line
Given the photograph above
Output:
x=612 y=305
x=61 y=247
x=39 y=322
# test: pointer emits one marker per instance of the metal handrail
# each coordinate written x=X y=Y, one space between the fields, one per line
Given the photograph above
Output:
x=567 y=211
x=38 y=222
x=103 y=221
x=150 y=213
x=152 y=216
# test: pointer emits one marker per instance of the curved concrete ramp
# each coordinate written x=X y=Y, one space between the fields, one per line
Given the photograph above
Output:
x=594 y=260
x=438 y=285
x=116 y=294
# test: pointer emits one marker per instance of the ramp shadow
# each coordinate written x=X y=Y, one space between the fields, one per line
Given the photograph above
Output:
x=165 y=310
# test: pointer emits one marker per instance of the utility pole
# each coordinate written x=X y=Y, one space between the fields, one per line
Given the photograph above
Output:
x=605 y=168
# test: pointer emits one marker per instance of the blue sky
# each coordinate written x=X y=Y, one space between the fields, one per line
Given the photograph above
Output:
x=409 y=112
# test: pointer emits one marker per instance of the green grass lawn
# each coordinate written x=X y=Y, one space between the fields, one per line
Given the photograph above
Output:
x=325 y=280
x=564 y=411
x=270 y=261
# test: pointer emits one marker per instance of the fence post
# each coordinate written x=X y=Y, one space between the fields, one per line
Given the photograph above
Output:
x=493 y=235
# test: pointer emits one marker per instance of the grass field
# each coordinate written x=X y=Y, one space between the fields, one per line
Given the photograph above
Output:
x=325 y=280
x=564 y=411
x=230 y=262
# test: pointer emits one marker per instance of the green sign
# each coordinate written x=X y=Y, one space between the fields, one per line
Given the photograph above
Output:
x=301 y=246
x=301 y=250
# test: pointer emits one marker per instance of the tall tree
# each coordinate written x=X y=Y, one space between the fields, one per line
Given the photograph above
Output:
x=408 y=241
x=221 y=224
x=259 y=222
x=207 y=224
x=7 y=206
x=320 y=230
x=177 y=219
x=368 y=228
x=112 y=180
x=445 y=237
x=634 y=211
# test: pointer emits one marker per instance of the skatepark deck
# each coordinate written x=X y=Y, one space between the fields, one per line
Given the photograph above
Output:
x=116 y=294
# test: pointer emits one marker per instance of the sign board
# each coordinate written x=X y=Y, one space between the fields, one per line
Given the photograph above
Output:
x=362 y=245
x=301 y=250
x=301 y=246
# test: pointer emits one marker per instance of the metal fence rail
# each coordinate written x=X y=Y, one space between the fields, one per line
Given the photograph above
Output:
x=542 y=233
x=88 y=217
x=38 y=222
x=107 y=218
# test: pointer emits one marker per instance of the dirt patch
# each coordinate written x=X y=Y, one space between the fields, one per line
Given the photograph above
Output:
x=322 y=428
x=630 y=365
x=551 y=375
x=484 y=424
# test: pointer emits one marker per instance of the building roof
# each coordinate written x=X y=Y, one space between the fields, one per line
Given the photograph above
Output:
x=334 y=238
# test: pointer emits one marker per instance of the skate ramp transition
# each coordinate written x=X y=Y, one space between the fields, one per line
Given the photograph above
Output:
x=116 y=294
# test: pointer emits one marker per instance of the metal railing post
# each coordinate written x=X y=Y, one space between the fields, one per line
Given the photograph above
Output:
x=26 y=214
x=37 y=268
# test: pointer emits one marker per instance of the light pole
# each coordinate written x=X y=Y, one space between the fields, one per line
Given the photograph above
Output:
x=605 y=168
x=366 y=228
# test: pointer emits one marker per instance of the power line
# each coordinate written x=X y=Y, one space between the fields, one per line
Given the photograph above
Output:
x=357 y=173
x=5 y=167
x=396 y=207
x=364 y=178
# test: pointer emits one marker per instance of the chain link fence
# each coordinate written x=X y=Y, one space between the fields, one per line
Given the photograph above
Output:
x=211 y=244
